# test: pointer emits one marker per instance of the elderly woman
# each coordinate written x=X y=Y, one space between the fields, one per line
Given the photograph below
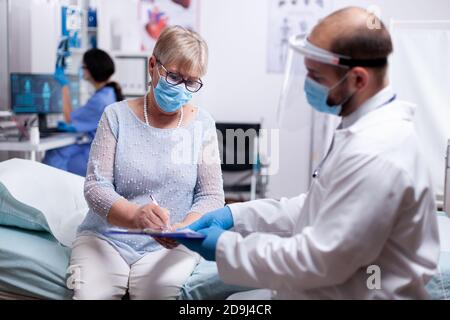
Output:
x=135 y=158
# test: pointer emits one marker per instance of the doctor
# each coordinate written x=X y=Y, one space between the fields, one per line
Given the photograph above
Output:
x=369 y=213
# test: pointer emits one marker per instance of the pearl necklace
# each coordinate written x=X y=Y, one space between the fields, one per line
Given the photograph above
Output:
x=180 y=121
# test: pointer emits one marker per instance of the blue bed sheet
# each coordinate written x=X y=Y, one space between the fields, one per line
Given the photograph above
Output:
x=33 y=264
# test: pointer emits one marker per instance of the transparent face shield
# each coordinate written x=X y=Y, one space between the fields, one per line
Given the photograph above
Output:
x=294 y=112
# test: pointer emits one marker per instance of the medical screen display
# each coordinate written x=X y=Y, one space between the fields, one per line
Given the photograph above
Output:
x=40 y=93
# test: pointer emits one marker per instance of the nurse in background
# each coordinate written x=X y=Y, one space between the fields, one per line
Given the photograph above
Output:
x=98 y=67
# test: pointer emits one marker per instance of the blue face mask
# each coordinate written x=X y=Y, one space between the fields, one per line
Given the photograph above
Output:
x=171 y=98
x=317 y=96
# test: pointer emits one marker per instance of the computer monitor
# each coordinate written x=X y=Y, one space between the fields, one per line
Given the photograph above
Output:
x=41 y=93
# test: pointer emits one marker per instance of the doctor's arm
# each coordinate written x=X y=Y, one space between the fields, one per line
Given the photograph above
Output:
x=353 y=224
x=267 y=215
x=275 y=217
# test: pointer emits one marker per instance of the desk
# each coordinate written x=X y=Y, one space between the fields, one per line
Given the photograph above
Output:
x=53 y=142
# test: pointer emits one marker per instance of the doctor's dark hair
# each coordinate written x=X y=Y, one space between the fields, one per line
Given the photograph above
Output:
x=360 y=39
x=364 y=43
x=101 y=67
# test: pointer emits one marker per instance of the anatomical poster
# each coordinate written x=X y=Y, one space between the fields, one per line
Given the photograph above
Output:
x=287 y=18
x=156 y=15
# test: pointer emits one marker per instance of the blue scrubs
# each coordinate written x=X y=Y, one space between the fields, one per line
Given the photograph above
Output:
x=74 y=158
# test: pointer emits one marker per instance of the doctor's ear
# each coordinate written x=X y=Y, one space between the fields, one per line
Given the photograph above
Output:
x=359 y=77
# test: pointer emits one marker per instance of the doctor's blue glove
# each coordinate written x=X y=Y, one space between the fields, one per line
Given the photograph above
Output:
x=205 y=247
x=60 y=76
x=221 y=218
x=62 y=126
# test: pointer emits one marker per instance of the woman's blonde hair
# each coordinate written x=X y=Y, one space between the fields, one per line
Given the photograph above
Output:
x=183 y=48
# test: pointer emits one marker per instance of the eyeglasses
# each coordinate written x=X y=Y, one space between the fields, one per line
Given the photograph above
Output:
x=175 y=79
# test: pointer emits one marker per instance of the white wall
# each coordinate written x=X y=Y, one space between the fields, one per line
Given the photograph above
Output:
x=33 y=35
x=238 y=87
x=114 y=16
x=427 y=86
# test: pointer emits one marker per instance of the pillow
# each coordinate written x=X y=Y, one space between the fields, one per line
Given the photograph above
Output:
x=205 y=284
x=439 y=285
x=38 y=197
x=33 y=264
x=17 y=214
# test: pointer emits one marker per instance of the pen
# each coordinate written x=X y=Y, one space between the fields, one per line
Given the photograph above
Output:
x=167 y=227
x=154 y=200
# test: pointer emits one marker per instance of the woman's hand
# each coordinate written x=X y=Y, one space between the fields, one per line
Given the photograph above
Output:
x=170 y=243
x=151 y=216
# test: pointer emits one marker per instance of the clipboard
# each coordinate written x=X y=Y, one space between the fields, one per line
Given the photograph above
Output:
x=180 y=234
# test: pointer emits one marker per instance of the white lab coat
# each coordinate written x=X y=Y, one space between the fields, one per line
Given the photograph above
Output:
x=371 y=205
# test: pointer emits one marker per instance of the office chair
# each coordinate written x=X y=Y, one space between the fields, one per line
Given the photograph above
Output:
x=241 y=165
